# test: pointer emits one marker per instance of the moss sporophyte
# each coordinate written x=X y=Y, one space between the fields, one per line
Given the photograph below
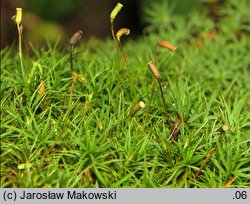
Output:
x=103 y=132
x=18 y=20
x=115 y=11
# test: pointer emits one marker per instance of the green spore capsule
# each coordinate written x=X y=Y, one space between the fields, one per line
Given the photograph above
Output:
x=121 y=32
x=19 y=16
x=115 y=11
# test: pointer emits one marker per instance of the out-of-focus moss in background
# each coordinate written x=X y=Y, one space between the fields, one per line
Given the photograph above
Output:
x=45 y=19
x=53 y=19
x=53 y=10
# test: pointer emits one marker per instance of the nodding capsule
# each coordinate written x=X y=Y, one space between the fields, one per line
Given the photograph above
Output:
x=166 y=44
x=75 y=38
x=121 y=32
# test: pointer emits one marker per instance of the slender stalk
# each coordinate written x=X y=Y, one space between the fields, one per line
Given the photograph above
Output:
x=118 y=60
x=71 y=58
x=165 y=44
x=121 y=32
x=18 y=21
x=171 y=47
x=74 y=39
x=124 y=57
x=163 y=100
x=116 y=48
x=20 y=49
x=156 y=74
x=230 y=182
x=153 y=85
x=126 y=67
x=72 y=42
x=205 y=161
x=72 y=87
x=113 y=15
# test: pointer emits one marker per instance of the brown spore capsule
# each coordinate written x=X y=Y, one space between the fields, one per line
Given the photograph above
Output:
x=154 y=70
x=224 y=128
x=166 y=44
x=75 y=38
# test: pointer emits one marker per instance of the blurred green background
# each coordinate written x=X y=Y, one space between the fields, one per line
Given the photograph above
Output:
x=61 y=18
